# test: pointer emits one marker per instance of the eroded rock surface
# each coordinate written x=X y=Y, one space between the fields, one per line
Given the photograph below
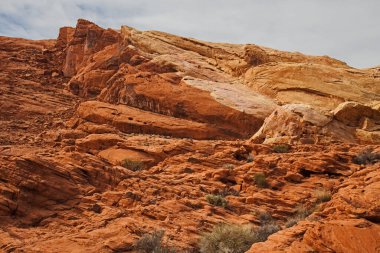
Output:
x=107 y=135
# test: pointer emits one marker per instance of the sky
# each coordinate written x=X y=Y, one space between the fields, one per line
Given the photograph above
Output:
x=348 y=30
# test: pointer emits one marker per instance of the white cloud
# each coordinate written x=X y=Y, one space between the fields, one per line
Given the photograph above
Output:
x=344 y=29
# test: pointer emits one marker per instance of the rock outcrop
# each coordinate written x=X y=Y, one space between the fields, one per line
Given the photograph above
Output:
x=233 y=86
x=106 y=135
x=299 y=123
x=340 y=222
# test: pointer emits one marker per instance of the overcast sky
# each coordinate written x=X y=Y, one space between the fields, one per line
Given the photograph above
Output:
x=348 y=30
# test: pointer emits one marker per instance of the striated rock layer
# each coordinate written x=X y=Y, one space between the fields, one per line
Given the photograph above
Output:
x=230 y=87
x=107 y=135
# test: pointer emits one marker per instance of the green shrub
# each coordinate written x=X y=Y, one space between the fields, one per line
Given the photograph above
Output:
x=366 y=157
x=133 y=165
x=282 y=148
x=229 y=238
x=152 y=243
x=260 y=180
x=323 y=195
x=216 y=200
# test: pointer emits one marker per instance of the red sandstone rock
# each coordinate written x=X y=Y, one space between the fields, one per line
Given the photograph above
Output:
x=74 y=111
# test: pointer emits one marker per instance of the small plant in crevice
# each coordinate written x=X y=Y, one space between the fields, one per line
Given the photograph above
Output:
x=281 y=148
x=133 y=165
x=152 y=243
x=229 y=166
x=366 y=157
x=301 y=212
x=323 y=195
x=228 y=192
x=260 y=180
x=216 y=200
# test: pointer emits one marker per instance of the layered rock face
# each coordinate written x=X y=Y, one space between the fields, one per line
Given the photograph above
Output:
x=231 y=88
x=107 y=135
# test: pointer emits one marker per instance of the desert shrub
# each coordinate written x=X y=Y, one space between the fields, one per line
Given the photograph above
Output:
x=229 y=238
x=260 y=180
x=301 y=212
x=292 y=221
x=133 y=165
x=264 y=231
x=228 y=192
x=216 y=200
x=366 y=157
x=229 y=166
x=323 y=195
x=264 y=217
x=281 y=148
x=152 y=243
x=233 y=238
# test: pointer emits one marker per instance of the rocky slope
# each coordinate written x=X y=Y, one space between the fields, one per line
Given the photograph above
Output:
x=107 y=135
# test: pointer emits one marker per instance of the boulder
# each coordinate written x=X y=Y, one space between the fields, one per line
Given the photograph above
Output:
x=353 y=113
